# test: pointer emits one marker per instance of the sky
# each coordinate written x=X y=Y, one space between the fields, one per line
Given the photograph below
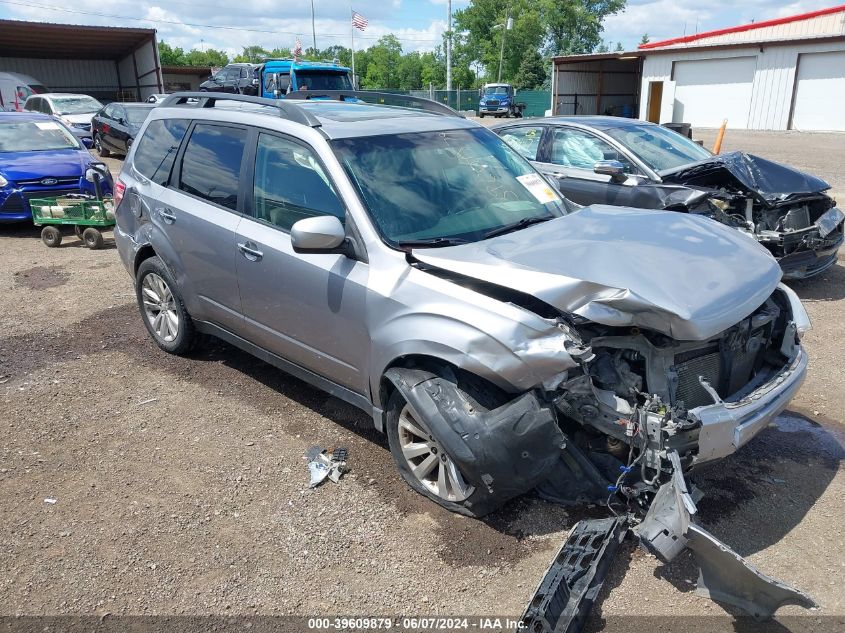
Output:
x=418 y=24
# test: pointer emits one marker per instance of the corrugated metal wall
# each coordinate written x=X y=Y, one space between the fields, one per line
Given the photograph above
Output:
x=136 y=76
x=774 y=79
x=66 y=75
x=597 y=87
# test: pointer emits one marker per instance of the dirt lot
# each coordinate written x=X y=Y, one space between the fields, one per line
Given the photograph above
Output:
x=180 y=487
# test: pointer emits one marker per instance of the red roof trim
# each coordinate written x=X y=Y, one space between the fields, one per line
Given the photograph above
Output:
x=744 y=27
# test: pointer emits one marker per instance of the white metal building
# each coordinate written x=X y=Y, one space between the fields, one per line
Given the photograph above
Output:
x=106 y=62
x=782 y=74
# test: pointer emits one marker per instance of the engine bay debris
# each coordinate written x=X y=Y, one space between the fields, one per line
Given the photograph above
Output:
x=570 y=585
x=323 y=465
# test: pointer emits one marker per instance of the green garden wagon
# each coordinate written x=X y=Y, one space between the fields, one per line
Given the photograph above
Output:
x=87 y=216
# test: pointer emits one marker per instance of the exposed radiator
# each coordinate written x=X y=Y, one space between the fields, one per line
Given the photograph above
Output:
x=689 y=388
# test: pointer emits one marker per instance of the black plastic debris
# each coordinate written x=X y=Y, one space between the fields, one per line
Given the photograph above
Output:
x=569 y=588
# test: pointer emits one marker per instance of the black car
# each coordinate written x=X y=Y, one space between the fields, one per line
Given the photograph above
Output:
x=115 y=126
x=234 y=78
x=633 y=163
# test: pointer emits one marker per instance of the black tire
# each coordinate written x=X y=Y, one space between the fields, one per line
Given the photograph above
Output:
x=78 y=230
x=51 y=236
x=480 y=115
x=98 y=145
x=475 y=505
x=186 y=335
x=92 y=238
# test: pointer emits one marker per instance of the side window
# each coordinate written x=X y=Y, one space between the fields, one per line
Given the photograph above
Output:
x=290 y=184
x=525 y=140
x=32 y=105
x=283 y=80
x=109 y=111
x=211 y=165
x=576 y=148
x=157 y=149
x=244 y=73
x=46 y=106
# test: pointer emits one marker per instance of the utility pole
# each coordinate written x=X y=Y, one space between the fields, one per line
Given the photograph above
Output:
x=449 y=45
x=507 y=25
x=313 y=29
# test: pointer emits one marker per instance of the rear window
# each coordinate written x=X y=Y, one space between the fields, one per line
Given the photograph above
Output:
x=211 y=165
x=137 y=114
x=156 y=151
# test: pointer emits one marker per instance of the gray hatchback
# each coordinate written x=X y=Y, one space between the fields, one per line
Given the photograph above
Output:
x=412 y=263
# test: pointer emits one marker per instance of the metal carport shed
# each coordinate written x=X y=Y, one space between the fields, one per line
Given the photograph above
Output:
x=106 y=62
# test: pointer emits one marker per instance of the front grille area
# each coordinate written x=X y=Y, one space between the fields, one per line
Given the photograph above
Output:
x=49 y=193
x=689 y=390
x=727 y=370
x=492 y=103
x=60 y=182
x=13 y=204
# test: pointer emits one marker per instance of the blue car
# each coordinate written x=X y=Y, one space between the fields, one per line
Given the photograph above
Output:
x=41 y=158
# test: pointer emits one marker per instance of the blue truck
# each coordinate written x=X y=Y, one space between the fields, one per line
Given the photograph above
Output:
x=499 y=100
x=277 y=77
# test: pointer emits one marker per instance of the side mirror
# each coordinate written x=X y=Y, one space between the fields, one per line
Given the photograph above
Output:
x=87 y=142
x=321 y=234
x=612 y=168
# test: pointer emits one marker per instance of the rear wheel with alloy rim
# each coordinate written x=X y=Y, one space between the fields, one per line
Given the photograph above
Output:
x=162 y=308
x=98 y=145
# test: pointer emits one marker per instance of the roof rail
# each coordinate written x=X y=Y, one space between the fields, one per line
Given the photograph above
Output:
x=287 y=110
x=384 y=98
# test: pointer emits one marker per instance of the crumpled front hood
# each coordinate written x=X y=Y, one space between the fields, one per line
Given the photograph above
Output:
x=770 y=182
x=61 y=163
x=686 y=276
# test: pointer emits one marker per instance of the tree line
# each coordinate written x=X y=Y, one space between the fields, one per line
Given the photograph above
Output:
x=540 y=29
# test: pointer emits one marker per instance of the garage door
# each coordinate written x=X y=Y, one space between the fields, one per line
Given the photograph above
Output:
x=820 y=92
x=709 y=90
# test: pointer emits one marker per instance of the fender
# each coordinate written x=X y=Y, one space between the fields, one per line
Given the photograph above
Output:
x=512 y=355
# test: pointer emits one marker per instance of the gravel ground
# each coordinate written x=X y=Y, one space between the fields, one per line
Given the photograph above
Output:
x=180 y=487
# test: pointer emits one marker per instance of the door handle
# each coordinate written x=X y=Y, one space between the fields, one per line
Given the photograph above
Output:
x=250 y=251
x=166 y=215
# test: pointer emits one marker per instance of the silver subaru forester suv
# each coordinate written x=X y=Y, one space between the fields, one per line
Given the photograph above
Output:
x=410 y=262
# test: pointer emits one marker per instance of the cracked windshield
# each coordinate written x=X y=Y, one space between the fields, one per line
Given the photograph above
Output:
x=443 y=188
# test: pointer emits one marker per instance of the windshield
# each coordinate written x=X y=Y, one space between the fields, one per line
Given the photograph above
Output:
x=452 y=186
x=322 y=80
x=658 y=147
x=27 y=136
x=496 y=90
x=76 y=105
x=137 y=116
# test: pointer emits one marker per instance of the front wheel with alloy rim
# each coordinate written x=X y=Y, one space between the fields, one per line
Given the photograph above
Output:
x=162 y=308
x=426 y=467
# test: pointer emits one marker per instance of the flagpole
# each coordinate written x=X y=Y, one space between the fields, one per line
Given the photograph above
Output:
x=352 y=33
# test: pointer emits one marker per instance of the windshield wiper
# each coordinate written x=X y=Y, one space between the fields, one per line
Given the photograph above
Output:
x=433 y=242
x=515 y=226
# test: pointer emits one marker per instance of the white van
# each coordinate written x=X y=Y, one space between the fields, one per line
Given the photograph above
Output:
x=15 y=88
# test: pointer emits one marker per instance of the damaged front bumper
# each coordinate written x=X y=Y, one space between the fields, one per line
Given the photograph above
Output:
x=727 y=426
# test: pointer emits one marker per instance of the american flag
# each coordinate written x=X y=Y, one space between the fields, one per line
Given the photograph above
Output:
x=359 y=21
x=297 y=50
